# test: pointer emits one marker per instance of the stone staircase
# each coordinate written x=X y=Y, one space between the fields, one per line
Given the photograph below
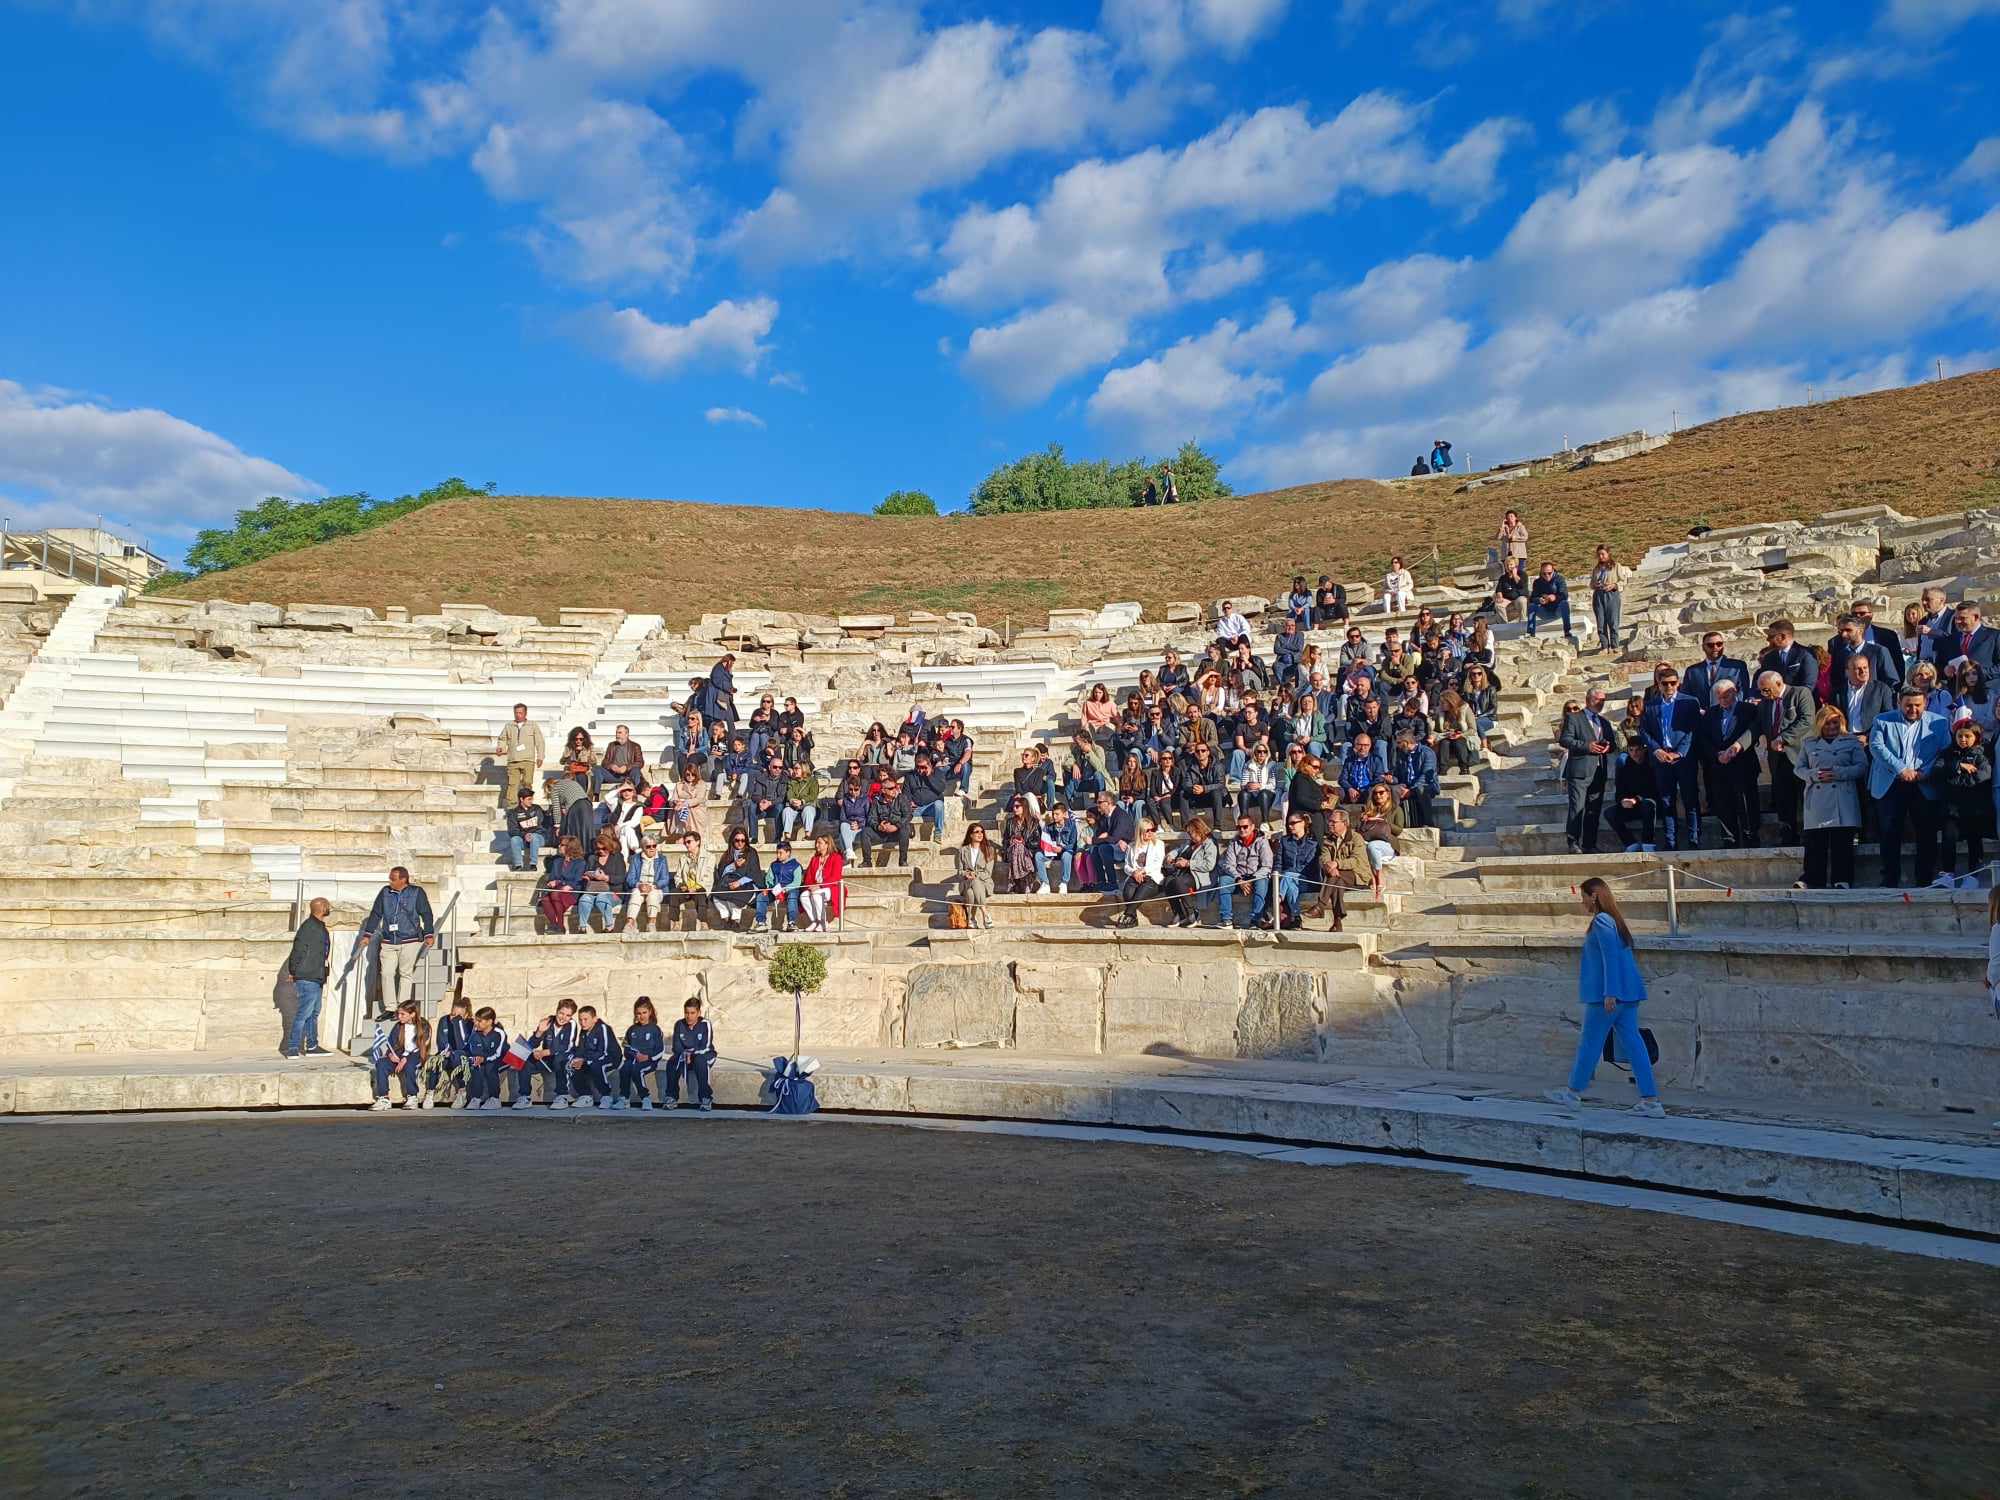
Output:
x=40 y=686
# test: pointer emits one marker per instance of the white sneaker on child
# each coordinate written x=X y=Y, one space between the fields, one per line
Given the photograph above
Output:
x=425 y=1102
x=559 y=1102
x=1063 y=889
x=645 y=1101
x=588 y=1101
x=618 y=1103
x=1566 y=1096
x=1652 y=1109
x=463 y=1101
x=381 y=1103
x=493 y=1103
x=524 y=1102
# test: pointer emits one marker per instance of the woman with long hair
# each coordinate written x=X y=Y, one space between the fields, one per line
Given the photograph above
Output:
x=1021 y=848
x=1606 y=584
x=1146 y=868
x=820 y=896
x=972 y=873
x=563 y=884
x=1610 y=989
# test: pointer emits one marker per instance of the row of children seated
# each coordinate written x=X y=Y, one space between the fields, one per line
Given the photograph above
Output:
x=574 y=1052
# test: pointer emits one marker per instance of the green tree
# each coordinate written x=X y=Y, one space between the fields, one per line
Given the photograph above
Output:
x=280 y=525
x=907 y=503
x=1049 y=481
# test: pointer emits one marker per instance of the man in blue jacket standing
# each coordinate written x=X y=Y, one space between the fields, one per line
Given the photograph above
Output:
x=1667 y=726
x=1901 y=747
x=401 y=926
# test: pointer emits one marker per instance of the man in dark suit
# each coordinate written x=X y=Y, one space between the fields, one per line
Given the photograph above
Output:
x=1890 y=642
x=1972 y=640
x=1726 y=741
x=1784 y=722
x=1851 y=640
x=1862 y=696
x=1714 y=667
x=1586 y=736
x=1936 y=624
x=1796 y=664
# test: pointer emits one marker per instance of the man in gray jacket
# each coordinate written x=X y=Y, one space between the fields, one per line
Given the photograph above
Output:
x=1586 y=737
x=307 y=967
x=1244 y=869
x=1784 y=723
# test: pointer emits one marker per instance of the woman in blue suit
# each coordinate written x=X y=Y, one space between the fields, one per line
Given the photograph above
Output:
x=1610 y=989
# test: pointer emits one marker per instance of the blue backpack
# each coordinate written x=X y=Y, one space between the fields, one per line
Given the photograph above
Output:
x=792 y=1092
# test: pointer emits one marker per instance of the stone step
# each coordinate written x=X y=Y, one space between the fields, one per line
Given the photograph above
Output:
x=1960 y=914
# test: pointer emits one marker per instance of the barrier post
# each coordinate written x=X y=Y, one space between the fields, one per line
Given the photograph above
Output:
x=1673 y=900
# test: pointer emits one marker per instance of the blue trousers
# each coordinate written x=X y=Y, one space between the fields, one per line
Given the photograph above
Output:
x=1561 y=611
x=1225 y=895
x=679 y=1068
x=593 y=1078
x=304 y=1030
x=485 y=1080
x=1598 y=1022
x=555 y=1070
x=764 y=904
x=1678 y=783
x=632 y=1078
x=385 y=1069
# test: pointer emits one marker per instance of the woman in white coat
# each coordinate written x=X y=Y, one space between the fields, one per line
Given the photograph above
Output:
x=1145 y=868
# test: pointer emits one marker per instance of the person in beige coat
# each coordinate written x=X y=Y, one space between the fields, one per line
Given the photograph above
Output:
x=521 y=749
x=972 y=874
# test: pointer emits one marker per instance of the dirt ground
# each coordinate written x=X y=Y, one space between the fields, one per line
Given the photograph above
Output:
x=731 y=1306
x=1923 y=449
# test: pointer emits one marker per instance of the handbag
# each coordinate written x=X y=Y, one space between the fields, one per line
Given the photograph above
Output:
x=956 y=916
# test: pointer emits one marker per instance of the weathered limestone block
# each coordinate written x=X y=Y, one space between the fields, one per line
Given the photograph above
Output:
x=326 y=616
x=1058 y=1008
x=1281 y=1014
x=1183 y=614
x=1164 y=1009
x=1372 y=1021
x=959 y=1005
x=247 y=615
x=851 y=1011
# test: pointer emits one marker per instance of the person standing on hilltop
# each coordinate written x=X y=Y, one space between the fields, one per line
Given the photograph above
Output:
x=1440 y=456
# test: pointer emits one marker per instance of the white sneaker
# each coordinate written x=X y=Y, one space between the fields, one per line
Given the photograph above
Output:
x=425 y=1102
x=522 y=1103
x=1063 y=889
x=382 y=1103
x=646 y=1102
x=1652 y=1109
x=618 y=1103
x=409 y=1104
x=559 y=1102
x=1566 y=1096
x=707 y=1105
x=463 y=1101
x=586 y=1102
x=1044 y=890
x=489 y=1104
x=671 y=1104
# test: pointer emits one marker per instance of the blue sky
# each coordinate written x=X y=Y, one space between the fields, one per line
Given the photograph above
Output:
x=805 y=252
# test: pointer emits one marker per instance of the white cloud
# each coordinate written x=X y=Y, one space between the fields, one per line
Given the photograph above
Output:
x=65 y=459
x=1394 y=297
x=1221 y=275
x=1161 y=33
x=789 y=380
x=732 y=416
x=1934 y=17
x=729 y=333
x=1738 y=74
x=1200 y=388
x=1982 y=163
x=1027 y=357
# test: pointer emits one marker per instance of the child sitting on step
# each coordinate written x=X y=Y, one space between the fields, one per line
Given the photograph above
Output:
x=447 y=1052
x=483 y=1048
x=644 y=1044
x=595 y=1057
x=694 y=1050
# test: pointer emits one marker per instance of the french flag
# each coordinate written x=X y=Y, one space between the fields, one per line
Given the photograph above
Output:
x=517 y=1053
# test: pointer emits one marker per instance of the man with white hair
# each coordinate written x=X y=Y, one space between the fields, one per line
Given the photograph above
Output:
x=1726 y=738
x=1784 y=722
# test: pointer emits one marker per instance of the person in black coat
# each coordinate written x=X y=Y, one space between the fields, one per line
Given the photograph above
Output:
x=1798 y=665
x=1725 y=742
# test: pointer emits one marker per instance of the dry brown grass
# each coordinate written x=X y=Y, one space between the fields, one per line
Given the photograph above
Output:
x=1923 y=449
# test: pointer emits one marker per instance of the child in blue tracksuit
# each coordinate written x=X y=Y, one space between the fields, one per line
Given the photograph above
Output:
x=694 y=1050
x=549 y=1055
x=644 y=1044
x=448 y=1050
x=483 y=1047
x=594 y=1060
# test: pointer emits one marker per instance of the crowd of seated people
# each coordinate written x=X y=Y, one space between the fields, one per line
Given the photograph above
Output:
x=1880 y=733
x=1240 y=788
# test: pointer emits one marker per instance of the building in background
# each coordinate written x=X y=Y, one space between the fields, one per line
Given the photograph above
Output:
x=87 y=554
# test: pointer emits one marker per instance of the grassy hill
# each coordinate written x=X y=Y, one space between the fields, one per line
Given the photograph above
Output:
x=1923 y=449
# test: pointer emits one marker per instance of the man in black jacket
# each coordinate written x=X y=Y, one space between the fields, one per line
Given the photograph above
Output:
x=1851 y=640
x=1796 y=664
x=530 y=829
x=889 y=817
x=766 y=797
x=401 y=926
x=1725 y=741
x=307 y=968
x=1586 y=736
x=925 y=787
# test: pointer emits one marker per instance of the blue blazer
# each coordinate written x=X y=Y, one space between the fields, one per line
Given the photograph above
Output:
x=1609 y=970
x=1893 y=737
